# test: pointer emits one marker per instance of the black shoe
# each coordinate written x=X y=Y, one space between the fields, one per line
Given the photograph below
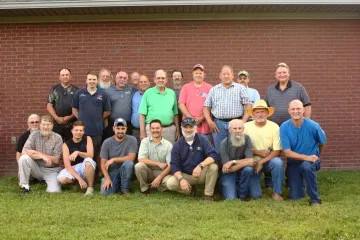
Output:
x=244 y=199
x=24 y=191
x=193 y=191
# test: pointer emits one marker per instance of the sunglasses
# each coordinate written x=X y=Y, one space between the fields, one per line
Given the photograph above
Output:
x=37 y=122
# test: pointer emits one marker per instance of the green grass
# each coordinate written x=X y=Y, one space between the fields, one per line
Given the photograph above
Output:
x=170 y=215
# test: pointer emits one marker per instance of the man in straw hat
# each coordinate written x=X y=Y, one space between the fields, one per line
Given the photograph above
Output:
x=265 y=139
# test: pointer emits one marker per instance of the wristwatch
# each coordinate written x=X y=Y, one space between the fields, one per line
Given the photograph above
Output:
x=233 y=162
x=201 y=166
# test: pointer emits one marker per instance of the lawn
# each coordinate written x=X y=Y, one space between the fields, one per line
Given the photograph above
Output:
x=170 y=215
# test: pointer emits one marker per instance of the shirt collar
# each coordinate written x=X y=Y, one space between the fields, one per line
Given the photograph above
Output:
x=288 y=85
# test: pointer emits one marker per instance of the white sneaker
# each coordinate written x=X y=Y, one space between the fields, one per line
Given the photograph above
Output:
x=89 y=191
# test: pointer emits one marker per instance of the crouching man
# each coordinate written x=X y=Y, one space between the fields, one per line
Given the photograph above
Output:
x=193 y=161
x=40 y=157
x=77 y=155
x=154 y=160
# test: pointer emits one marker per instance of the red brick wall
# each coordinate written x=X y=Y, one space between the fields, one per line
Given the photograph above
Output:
x=324 y=55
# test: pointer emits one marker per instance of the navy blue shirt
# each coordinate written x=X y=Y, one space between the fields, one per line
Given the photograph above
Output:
x=91 y=109
x=185 y=158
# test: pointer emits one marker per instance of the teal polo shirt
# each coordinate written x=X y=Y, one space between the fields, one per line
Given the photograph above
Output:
x=155 y=105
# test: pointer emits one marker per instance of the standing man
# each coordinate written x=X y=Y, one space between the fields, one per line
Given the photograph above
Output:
x=154 y=160
x=177 y=77
x=134 y=79
x=92 y=106
x=237 y=163
x=302 y=141
x=159 y=102
x=280 y=94
x=193 y=161
x=244 y=79
x=40 y=157
x=77 y=156
x=225 y=101
x=105 y=79
x=59 y=104
x=117 y=160
x=33 y=125
x=192 y=98
x=144 y=84
x=266 y=147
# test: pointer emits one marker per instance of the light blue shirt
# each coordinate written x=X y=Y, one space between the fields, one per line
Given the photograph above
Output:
x=253 y=94
x=135 y=109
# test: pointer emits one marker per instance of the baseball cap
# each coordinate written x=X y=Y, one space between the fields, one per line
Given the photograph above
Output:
x=188 y=121
x=243 y=72
x=120 y=121
x=199 y=66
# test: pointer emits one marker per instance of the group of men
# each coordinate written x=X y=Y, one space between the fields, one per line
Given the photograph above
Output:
x=224 y=132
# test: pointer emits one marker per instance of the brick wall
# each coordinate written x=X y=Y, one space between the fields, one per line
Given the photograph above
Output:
x=324 y=55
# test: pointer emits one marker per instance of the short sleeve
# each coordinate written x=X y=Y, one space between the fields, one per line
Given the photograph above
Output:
x=75 y=100
x=52 y=96
x=320 y=135
x=168 y=153
x=304 y=97
x=248 y=147
x=143 y=104
x=104 y=153
x=144 y=149
x=133 y=145
x=183 y=95
x=244 y=95
x=224 y=154
x=284 y=138
x=276 y=140
x=58 y=146
x=209 y=98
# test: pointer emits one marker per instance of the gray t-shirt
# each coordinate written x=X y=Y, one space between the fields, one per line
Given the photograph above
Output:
x=111 y=149
x=121 y=102
x=229 y=153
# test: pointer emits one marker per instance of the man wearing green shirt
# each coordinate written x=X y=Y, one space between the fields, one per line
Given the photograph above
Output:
x=160 y=102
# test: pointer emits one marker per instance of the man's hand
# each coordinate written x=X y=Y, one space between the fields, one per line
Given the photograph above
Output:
x=312 y=158
x=156 y=182
x=73 y=156
x=59 y=120
x=108 y=163
x=263 y=153
x=258 y=166
x=82 y=184
x=185 y=186
x=142 y=135
x=107 y=184
x=47 y=161
x=177 y=135
x=162 y=166
x=196 y=172
x=213 y=127
x=66 y=119
x=250 y=162
x=198 y=121
x=226 y=167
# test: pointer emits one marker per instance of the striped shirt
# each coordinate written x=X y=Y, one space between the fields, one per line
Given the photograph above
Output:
x=280 y=100
x=227 y=103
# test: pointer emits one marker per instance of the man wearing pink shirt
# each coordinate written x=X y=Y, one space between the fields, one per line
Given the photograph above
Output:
x=192 y=98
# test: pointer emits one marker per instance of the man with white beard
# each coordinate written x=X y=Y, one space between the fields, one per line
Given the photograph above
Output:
x=40 y=157
x=105 y=79
x=193 y=161
x=237 y=162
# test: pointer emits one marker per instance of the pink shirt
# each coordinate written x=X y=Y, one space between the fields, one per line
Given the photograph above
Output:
x=193 y=98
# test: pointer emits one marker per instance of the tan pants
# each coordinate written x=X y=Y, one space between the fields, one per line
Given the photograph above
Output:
x=169 y=133
x=208 y=176
x=146 y=175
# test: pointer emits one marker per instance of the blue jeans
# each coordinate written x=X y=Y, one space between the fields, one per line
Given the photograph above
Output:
x=120 y=177
x=297 y=173
x=223 y=133
x=236 y=184
x=276 y=167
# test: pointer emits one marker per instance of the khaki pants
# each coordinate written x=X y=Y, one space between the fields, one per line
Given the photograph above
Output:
x=146 y=175
x=208 y=176
x=169 y=133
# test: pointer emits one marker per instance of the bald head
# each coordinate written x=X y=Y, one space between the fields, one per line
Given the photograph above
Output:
x=296 y=110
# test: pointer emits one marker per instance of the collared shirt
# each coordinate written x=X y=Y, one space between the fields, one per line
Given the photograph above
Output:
x=51 y=146
x=61 y=98
x=228 y=152
x=280 y=100
x=253 y=95
x=91 y=109
x=303 y=140
x=185 y=157
x=227 y=103
x=135 y=105
x=156 y=152
x=155 y=105
x=120 y=100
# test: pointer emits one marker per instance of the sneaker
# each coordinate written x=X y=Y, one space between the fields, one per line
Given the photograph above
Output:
x=315 y=204
x=24 y=191
x=89 y=191
x=208 y=198
x=126 y=193
x=277 y=197
x=145 y=193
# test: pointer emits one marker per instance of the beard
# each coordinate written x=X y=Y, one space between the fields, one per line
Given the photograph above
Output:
x=237 y=140
x=33 y=129
x=45 y=133
x=188 y=136
x=104 y=85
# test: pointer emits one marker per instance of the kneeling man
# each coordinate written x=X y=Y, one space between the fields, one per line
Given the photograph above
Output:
x=40 y=157
x=154 y=160
x=193 y=161
x=117 y=160
x=77 y=155
x=302 y=141
x=237 y=162
x=265 y=140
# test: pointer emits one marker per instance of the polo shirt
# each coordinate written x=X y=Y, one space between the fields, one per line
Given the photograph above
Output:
x=280 y=100
x=91 y=109
x=193 y=98
x=156 y=152
x=135 y=105
x=229 y=152
x=264 y=137
x=61 y=99
x=227 y=103
x=185 y=157
x=155 y=105
x=253 y=95
x=303 y=140
x=121 y=101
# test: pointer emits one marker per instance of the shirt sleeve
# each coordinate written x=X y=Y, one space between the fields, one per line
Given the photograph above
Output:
x=175 y=159
x=106 y=103
x=224 y=154
x=144 y=150
x=266 y=97
x=284 y=138
x=58 y=146
x=209 y=98
x=183 y=95
x=209 y=150
x=104 y=153
x=304 y=97
x=168 y=153
x=248 y=147
x=133 y=145
x=75 y=100
x=320 y=135
x=245 y=99
x=30 y=142
x=51 y=97
x=143 y=104
x=20 y=143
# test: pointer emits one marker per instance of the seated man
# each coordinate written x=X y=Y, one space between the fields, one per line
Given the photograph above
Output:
x=33 y=125
x=77 y=154
x=117 y=160
x=237 y=162
x=265 y=140
x=193 y=161
x=302 y=141
x=40 y=157
x=154 y=160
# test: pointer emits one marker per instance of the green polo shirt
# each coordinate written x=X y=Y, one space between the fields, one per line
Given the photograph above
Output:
x=155 y=105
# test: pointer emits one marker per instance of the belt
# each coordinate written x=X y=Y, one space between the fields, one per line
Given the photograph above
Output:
x=229 y=119
x=164 y=126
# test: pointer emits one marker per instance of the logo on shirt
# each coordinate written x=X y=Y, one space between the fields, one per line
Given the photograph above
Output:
x=127 y=92
x=99 y=97
x=203 y=94
x=82 y=95
x=198 y=148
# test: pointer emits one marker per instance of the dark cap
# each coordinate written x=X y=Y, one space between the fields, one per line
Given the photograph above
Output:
x=120 y=121
x=188 y=121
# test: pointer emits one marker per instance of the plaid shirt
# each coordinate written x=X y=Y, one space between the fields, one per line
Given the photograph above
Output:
x=228 y=102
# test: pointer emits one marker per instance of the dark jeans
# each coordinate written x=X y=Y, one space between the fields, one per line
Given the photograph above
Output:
x=64 y=130
x=97 y=147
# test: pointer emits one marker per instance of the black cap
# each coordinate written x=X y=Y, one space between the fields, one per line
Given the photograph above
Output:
x=188 y=121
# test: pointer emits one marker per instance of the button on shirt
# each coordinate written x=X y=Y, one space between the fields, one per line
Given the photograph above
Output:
x=227 y=103
x=156 y=152
x=136 y=100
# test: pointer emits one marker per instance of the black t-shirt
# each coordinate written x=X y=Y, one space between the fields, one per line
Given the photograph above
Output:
x=80 y=146
x=61 y=98
x=22 y=140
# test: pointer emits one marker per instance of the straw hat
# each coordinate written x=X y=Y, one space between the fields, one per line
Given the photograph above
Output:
x=260 y=104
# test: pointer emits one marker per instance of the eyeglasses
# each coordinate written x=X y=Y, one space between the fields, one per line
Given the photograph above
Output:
x=243 y=78
x=37 y=122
